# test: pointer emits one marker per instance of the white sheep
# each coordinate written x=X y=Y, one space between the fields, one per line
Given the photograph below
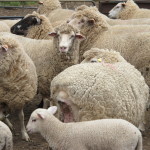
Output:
x=114 y=134
x=52 y=56
x=134 y=46
x=6 y=139
x=53 y=10
x=33 y=26
x=18 y=80
x=112 y=83
x=4 y=27
x=10 y=23
x=128 y=10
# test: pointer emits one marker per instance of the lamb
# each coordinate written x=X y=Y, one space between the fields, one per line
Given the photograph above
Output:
x=133 y=46
x=33 y=26
x=51 y=57
x=6 y=139
x=101 y=87
x=97 y=135
x=53 y=10
x=18 y=80
x=128 y=10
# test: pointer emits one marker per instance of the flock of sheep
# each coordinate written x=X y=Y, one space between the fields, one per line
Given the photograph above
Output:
x=86 y=66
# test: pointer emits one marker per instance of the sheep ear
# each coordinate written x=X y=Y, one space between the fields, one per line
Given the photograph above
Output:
x=40 y=2
x=5 y=48
x=52 y=34
x=52 y=109
x=37 y=20
x=41 y=115
x=80 y=36
x=91 y=22
x=123 y=4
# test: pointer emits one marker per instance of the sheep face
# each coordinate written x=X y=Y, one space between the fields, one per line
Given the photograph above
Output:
x=23 y=25
x=114 y=13
x=38 y=118
x=3 y=111
x=66 y=39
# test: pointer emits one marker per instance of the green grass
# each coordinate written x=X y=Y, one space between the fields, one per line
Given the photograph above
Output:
x=16 y=3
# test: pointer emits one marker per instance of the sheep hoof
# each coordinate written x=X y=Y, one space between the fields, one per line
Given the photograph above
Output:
x=25 y=137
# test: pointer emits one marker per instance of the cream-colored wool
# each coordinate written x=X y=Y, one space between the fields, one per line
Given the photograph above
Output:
x=48 y=61
x=132 y=11
x=133 y=42
x=114 y=134
x=18 y=78
x=6 y=139
x=101 y=90
x=53 y=10
x=10 y=23
x=4 y=27
x=39 y=31
x=112 y=22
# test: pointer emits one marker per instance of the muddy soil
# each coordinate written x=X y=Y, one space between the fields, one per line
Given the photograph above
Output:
x=37 y=142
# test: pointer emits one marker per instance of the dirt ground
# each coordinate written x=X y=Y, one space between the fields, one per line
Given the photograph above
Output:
x=37 y=142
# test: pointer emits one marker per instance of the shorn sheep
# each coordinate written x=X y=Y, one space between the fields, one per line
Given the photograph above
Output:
x=33 y=26
x=18 y=80
x=53 y=10
x=128 y=10
x=133 y=47
x=114 y=134
x=101 y=87
x=53 y=56
x=6 y=139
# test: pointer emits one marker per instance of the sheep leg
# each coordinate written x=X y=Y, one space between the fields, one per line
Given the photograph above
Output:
x=46 y=103
x=23 y=129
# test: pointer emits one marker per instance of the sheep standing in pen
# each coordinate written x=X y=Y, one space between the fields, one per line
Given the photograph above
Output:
x=112 y=22
x=132 y=46
x=53 y=10
x=128 y=10
x=52 y=56
x=114 y=134
x=101 y=87
x=18 y=80
x=33 y=26
x=6 y=139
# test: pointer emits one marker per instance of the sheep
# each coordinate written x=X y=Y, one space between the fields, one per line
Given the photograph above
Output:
x=10 y=23
x=51 y=57
x=101 y=87
x=128 y=10
x=6 y=139
x=133 y=46
x=33 y=26
x=113 y=22
x=97 y=135
x=53 y=10
x=18 y=79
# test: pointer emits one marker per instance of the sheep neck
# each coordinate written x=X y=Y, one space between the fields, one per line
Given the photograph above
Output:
x=53 y=131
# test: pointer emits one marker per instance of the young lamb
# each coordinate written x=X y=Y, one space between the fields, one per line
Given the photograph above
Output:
x=33 y=26
x=53 y=10
x=134 y=46
x=101 y=87
x=6 y=139
x=18 y=80
x=114 y=134
x=128 y=10
x=52 y=56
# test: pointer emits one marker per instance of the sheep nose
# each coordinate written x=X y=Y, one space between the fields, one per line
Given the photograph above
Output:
x=63 y=48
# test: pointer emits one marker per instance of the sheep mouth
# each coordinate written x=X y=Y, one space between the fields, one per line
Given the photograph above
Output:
x=66 y=112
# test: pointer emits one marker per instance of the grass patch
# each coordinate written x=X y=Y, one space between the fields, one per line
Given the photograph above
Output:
x=16 y=3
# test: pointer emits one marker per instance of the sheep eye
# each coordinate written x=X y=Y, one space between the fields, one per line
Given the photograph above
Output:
x=82 y=21
x=72 y=36
x=93 y=61
x=34 y=120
